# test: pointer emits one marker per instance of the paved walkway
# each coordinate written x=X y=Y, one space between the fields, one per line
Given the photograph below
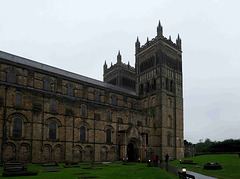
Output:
x=175 y=170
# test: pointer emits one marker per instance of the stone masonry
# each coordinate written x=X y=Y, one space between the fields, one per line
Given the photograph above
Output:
x=48 y=114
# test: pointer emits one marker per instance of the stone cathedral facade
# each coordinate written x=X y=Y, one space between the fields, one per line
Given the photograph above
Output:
x=48 y=114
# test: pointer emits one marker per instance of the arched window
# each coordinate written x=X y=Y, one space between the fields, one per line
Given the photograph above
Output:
x=52 y=130
x=54 y=106
x=96 y=96
x=146 y=121
x=108 y=136
x=171 y=85
x=148 y=87
x=129 y=119
x=18 y=99
x=145 y=104
x=46 y=85
x=141 y=89
x=147 y=140
x=169 y=139
x=132 y=105
x=114 y=100
x=11 y=77
x=17 y=127
x=108 y=115
x=169 y=102
x=154 y=84
x=83 y=110
x=70 y=90
x=167 y=84
x=83 y=133
x=170 y=121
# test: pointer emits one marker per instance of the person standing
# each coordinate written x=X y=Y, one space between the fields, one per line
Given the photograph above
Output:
x=154 y=160
x=166 y=160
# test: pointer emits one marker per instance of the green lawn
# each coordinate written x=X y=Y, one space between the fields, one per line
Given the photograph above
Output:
x=109 y=171
x=229 y=162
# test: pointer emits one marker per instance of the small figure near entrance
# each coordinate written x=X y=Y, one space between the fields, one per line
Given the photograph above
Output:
x=166 y=160
x=155 y=160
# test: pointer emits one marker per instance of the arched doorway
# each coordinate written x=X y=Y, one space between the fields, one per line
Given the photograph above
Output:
x=132 y=152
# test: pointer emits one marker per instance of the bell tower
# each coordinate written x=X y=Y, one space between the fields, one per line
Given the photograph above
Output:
x=158 y=65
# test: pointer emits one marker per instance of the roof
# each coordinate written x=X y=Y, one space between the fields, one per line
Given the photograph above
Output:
x=44 y=67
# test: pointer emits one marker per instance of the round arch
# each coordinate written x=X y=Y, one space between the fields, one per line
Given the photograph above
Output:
x=133 y=149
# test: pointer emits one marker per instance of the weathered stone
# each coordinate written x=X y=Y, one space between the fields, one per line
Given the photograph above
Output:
x=119 y=122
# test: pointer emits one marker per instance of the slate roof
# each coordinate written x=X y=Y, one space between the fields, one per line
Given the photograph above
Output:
x=44 y=67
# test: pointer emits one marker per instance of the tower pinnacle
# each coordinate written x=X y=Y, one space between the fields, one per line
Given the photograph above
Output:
x=105 y=66
x=137 y=45
x=159 y=30
x=119 y=57
x=179 y=42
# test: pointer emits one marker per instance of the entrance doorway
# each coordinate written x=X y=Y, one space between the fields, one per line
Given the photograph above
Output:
x=132 y=153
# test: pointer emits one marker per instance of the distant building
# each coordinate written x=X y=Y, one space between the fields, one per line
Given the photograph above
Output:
x=189 y=149
x=48 y=114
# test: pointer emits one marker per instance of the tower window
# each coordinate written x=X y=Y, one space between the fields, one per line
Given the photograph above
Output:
x=141 y=89
x=170 y=121
x=169 y=139
x=154 y=84
x=167 y=85
x=148 y=87
x=171 y=86
x=149 y=63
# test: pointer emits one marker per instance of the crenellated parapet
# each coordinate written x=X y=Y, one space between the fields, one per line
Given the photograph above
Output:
x=159 y=37
x=123 y=65
x=118 y=64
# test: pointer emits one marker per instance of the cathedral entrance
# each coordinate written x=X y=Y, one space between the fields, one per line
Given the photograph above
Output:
x=132 y=153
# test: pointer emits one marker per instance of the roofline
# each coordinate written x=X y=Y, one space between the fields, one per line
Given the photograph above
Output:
x=48 y=68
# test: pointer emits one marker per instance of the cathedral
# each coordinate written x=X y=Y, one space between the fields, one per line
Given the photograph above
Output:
x=51 y=115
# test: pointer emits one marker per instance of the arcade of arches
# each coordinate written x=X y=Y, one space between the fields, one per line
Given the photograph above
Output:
x=49 y=114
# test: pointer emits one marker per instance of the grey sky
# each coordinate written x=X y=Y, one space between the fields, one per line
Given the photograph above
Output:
x=79 y=36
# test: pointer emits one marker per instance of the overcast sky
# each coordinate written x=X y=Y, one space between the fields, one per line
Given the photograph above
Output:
x=78 y=36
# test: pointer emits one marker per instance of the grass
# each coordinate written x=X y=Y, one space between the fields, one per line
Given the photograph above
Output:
x=229 y=162
x=110 y=171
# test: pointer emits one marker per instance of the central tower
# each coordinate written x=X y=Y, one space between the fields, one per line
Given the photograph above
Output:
x=158 y=69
